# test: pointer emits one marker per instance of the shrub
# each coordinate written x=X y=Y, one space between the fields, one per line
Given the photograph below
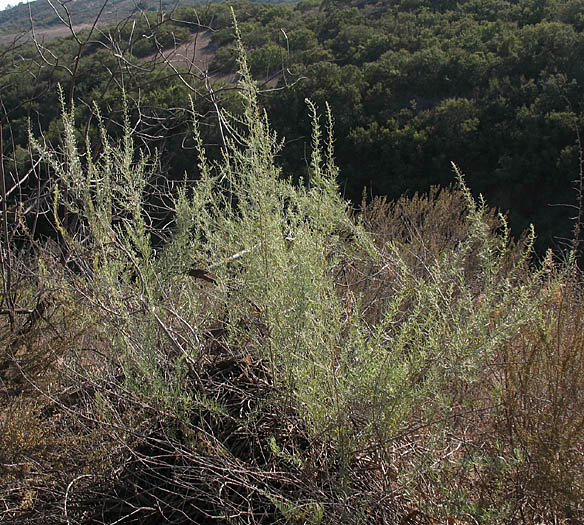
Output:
x=267 y=355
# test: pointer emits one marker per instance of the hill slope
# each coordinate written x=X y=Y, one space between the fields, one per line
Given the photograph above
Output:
x=43 y=15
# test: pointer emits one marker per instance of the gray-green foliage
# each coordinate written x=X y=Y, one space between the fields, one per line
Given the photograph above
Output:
x=273 y=248
x=270 y=244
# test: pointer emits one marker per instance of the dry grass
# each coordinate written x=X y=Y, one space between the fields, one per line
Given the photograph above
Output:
x=78 y=446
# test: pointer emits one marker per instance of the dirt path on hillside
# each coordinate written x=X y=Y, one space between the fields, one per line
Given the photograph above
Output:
x=196 y=54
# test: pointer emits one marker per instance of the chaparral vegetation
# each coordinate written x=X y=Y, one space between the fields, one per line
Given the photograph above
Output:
x=246 y=346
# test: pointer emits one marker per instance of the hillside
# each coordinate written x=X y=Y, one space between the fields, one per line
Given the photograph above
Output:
x=496 y=87
x=43 y=15
x=269 y=356
x=82 y=14
x=207 y=315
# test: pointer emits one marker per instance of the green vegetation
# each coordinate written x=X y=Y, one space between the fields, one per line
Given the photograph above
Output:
x=495 y=86
x=47 y=15
x=244 y=348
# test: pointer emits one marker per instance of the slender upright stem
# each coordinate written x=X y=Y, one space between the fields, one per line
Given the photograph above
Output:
x=5 y=256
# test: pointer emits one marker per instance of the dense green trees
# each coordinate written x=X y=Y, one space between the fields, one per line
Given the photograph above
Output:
x=495 y=86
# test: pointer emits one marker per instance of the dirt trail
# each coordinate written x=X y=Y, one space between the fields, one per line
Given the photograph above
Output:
x=197 y=53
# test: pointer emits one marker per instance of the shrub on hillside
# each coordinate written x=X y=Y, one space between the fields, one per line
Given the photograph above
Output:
x=269 y=356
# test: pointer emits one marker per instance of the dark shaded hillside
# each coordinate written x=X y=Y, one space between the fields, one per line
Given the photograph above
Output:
x=494 y=86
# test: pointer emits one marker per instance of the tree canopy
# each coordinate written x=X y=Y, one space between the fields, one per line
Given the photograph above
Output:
x=495 y=86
